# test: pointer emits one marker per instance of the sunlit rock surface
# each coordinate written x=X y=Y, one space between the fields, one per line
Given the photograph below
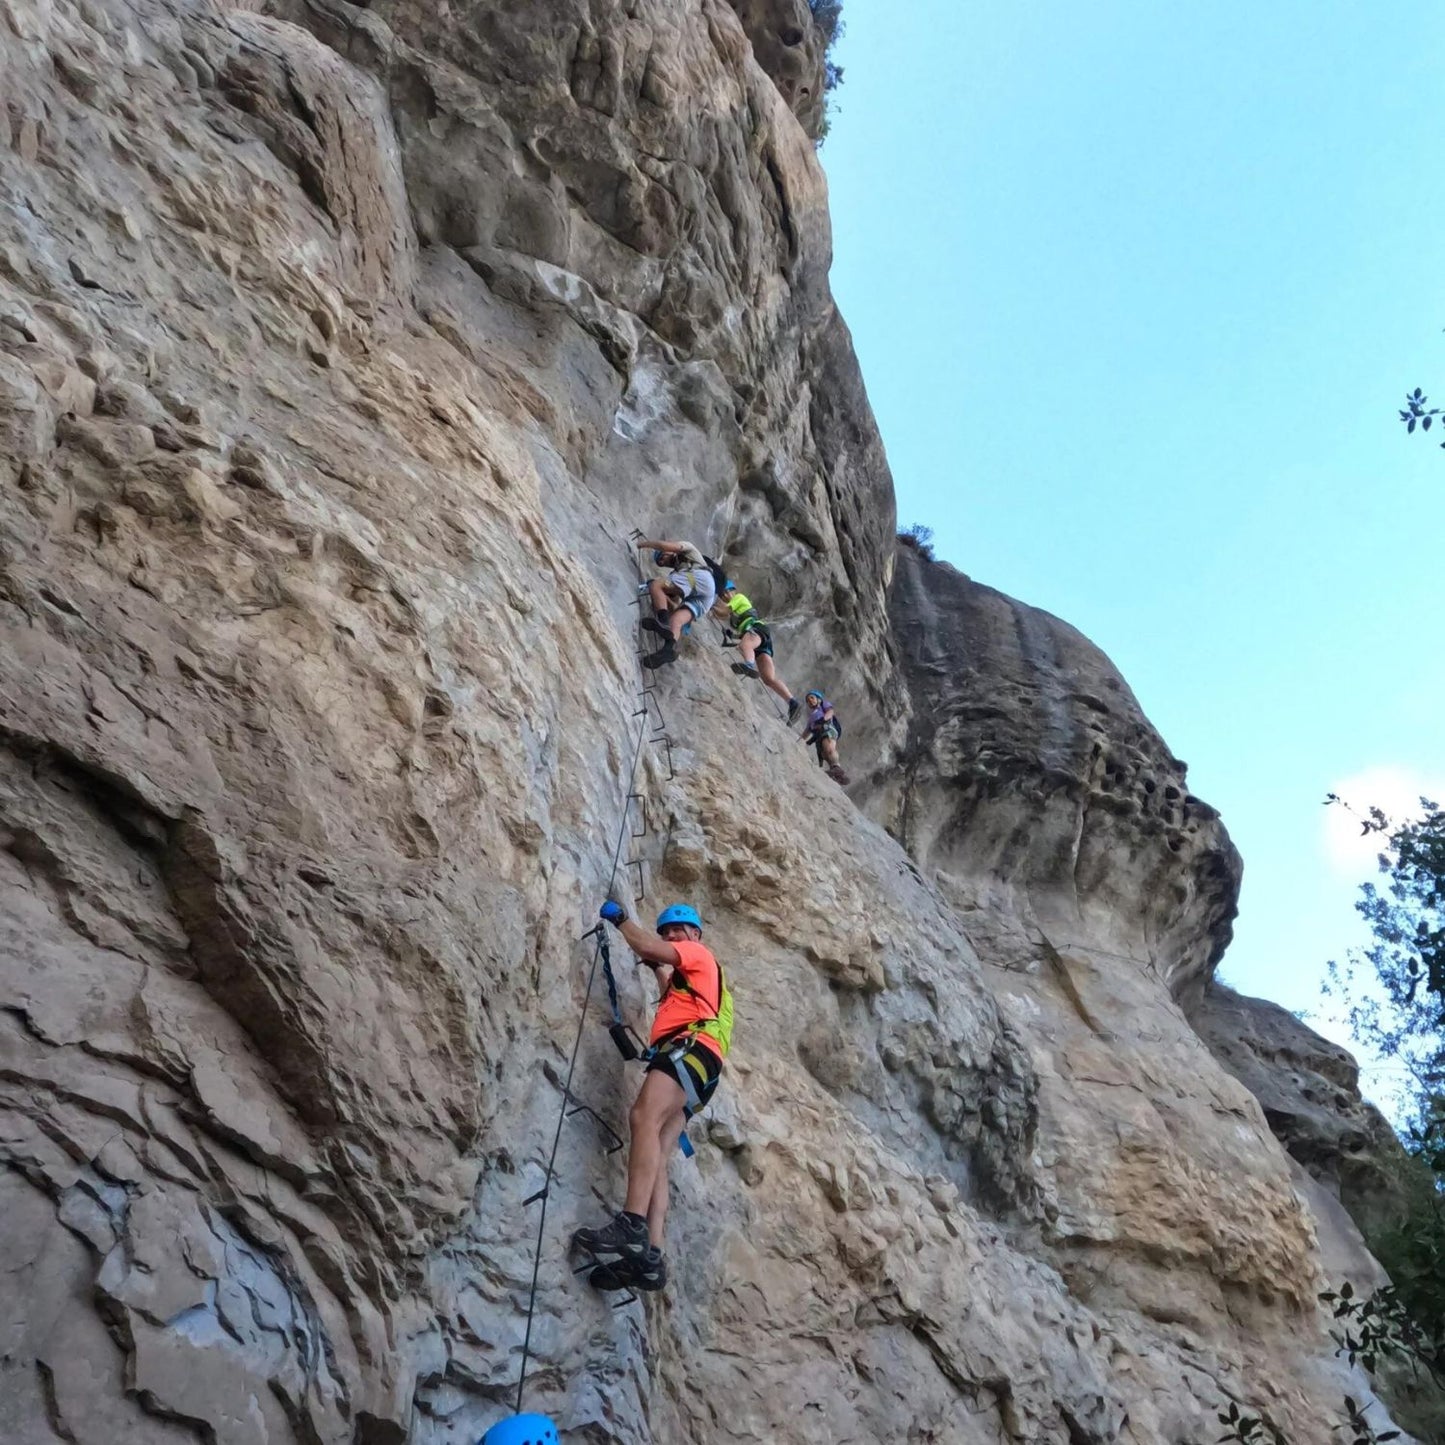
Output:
x=1346 y=1154
x=341 y=350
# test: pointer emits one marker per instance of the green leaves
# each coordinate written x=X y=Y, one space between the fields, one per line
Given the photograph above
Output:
x=1374 y=1328
x=1249 y=1429
x=1379 y=1327
x=1245 y=1429
x=918 y=537
x=828 y=18
x=1360 y=1429
x=1416 y=413
x=1395 y=992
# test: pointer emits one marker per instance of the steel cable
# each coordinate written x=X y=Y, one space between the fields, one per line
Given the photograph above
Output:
x=622 y=833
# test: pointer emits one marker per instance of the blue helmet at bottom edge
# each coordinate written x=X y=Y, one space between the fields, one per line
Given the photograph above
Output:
x=522 y=1430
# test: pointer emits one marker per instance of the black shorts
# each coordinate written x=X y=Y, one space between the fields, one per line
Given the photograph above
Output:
x=704 y=1069
x=765 y=641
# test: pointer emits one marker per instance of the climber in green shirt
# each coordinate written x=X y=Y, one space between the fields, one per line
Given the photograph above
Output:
x=755 y=643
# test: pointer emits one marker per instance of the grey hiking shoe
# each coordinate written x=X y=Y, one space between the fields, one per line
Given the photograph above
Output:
x=626 y=1235
x=650 y=1272
x=794 y=708
x=647 y=1273
x=743 y=670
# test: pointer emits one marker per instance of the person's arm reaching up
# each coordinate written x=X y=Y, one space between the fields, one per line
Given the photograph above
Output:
x=654 y=951
x=657 y=953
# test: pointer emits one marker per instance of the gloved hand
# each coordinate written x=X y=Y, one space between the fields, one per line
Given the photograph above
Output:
x=613 y=912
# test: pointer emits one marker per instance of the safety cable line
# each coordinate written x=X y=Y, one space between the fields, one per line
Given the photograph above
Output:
x=622 y=834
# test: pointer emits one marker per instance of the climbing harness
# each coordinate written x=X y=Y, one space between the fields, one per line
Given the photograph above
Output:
x=629 y=1042
x=677 y=1067
x=675 y=1047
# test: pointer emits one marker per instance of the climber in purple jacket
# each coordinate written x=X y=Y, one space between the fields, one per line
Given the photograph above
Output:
x=823 y=731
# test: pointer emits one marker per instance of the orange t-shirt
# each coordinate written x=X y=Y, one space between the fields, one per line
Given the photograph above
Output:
x=697 y=1003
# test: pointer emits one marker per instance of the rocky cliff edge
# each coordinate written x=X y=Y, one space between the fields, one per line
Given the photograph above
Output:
x=341 y=348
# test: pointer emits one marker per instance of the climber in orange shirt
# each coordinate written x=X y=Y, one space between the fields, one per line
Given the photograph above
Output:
x=691 y=1032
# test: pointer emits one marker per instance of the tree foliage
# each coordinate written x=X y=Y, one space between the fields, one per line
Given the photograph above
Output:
x=1403 y=1015
x=1395 y=992
x=1359 y=1429
x=828 y=17
x=1242 y=1428
x=1378 y=1327
x=919 y=537
x=1411 y=1247
x=1418 y=413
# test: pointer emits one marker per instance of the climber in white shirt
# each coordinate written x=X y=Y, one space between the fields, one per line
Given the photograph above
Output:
x=685 y=594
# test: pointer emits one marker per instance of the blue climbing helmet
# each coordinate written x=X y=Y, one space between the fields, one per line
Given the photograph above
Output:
x=522 y=1430
x=679 y=913
x=660 y=558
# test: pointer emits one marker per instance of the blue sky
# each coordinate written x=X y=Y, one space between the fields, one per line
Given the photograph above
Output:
x=1137 y=291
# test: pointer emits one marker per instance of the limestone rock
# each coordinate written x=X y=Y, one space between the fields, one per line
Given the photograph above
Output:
x=1029 y=760
x=789 y=46
x=1308 y=1087
x=341 y=350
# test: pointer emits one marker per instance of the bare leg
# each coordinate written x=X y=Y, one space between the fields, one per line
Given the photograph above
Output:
x=748 y=646
x=657 y=591
x=678 y=621
x=829 y=748
x=652 y=1113
x=769 y=675
x=657 y=1205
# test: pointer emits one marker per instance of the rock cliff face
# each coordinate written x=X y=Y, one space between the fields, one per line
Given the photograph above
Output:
x=341 y=348
x=1346 y=1154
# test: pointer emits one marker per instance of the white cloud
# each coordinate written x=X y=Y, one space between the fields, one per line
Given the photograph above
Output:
x=1396 y=791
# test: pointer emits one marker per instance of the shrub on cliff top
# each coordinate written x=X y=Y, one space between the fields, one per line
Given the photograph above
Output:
x=828 y=17
x=919 y=537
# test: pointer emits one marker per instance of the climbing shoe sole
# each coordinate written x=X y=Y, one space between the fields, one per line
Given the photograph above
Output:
x=629 y=1274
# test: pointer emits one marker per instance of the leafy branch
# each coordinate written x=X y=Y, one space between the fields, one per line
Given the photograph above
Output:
x=1373 y=821
x=828 y=17
x=1377 y=1327
x=919 y=537
x=1362 y=1432
x=1245 y=1429
x=1249 y=1429
x=1417 y=414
